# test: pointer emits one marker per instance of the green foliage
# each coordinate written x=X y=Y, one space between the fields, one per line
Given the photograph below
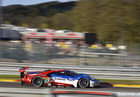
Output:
x=61 y=21
x=116 y=18
x=112 y=20
x=25 y=25
x=44 y=26
x=17 y=77
x=7 y=22
x=85 y=15
x=40 y=15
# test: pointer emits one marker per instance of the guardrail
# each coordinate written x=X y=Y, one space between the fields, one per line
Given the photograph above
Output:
x=104 y=72
x=24 y=92
x=46 y=92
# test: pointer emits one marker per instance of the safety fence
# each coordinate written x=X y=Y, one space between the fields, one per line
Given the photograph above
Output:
x=67 y=54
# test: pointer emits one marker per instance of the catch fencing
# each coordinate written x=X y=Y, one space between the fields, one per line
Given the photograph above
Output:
x=67 y=55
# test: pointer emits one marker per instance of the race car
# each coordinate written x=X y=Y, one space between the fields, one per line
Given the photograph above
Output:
x=57 y=77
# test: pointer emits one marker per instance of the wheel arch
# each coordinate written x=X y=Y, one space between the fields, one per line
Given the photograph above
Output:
x=40 y=85
x=87 y=82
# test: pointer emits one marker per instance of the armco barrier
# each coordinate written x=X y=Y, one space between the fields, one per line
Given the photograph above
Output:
x=104 y=72
x=46 y=92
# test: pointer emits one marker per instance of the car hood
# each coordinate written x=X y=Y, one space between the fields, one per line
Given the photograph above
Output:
x=83 y=76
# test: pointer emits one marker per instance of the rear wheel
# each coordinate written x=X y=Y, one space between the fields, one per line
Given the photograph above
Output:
x=22 y=83
x=37 y=81
x=83 y=83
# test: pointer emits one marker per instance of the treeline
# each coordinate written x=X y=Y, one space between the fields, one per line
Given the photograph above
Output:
x=113 y=20
x=37 y=16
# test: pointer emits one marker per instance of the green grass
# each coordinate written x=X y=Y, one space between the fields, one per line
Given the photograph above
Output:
x=111 y=81
x=16 y=77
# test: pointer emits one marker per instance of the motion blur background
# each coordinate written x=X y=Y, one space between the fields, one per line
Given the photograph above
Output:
x=116 y=24
x=113 y=52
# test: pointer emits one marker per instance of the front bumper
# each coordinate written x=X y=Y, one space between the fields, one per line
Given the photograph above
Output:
x=94 y=83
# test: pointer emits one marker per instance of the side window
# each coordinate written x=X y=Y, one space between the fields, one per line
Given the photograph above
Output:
x=59 y=73
x=50 y=75
x=68 y=73
x=62 y=73
x=71 y=73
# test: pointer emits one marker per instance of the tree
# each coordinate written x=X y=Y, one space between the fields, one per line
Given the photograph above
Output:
x=112 y=20
x=109 y=19
x=61 y=21
x=133 y=23
x=118 y=17
x=85 y=15
x=25 y=25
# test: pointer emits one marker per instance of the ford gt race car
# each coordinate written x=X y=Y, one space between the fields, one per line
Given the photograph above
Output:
x=57 y=78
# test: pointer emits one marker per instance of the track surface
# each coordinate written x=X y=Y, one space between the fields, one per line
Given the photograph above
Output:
x=111 y=89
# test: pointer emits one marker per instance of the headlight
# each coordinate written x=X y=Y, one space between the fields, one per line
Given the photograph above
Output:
x=93 y=78
x=97 y=81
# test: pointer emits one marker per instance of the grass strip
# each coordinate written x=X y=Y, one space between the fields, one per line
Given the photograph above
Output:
x=15 y=77
x=112 y=81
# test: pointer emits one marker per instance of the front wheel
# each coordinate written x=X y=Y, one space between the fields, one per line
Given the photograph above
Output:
x=83 y=83
x=37 y=81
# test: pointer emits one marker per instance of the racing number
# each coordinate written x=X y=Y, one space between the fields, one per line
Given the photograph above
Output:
x=46 y=80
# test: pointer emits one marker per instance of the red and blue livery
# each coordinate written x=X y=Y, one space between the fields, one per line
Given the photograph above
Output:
x=57 y=78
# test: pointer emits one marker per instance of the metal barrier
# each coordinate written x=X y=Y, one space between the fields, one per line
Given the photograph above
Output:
x=47 y=92
x=108 y=72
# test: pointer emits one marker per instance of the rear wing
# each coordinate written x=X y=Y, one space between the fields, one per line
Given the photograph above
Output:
x=23 y=69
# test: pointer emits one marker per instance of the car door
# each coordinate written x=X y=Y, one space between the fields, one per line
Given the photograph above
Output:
x=62 y=77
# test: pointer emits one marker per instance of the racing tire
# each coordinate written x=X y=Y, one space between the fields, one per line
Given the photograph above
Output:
x=22 y=83
x=37 y=81
x=83 y=83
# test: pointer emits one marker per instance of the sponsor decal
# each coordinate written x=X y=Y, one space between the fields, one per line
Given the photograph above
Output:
x=59 y=78
x=70 y=79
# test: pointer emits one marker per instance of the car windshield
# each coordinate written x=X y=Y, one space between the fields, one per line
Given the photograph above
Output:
x=72 y=73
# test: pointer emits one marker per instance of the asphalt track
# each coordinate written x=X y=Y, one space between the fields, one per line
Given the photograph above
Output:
x=103 y=88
